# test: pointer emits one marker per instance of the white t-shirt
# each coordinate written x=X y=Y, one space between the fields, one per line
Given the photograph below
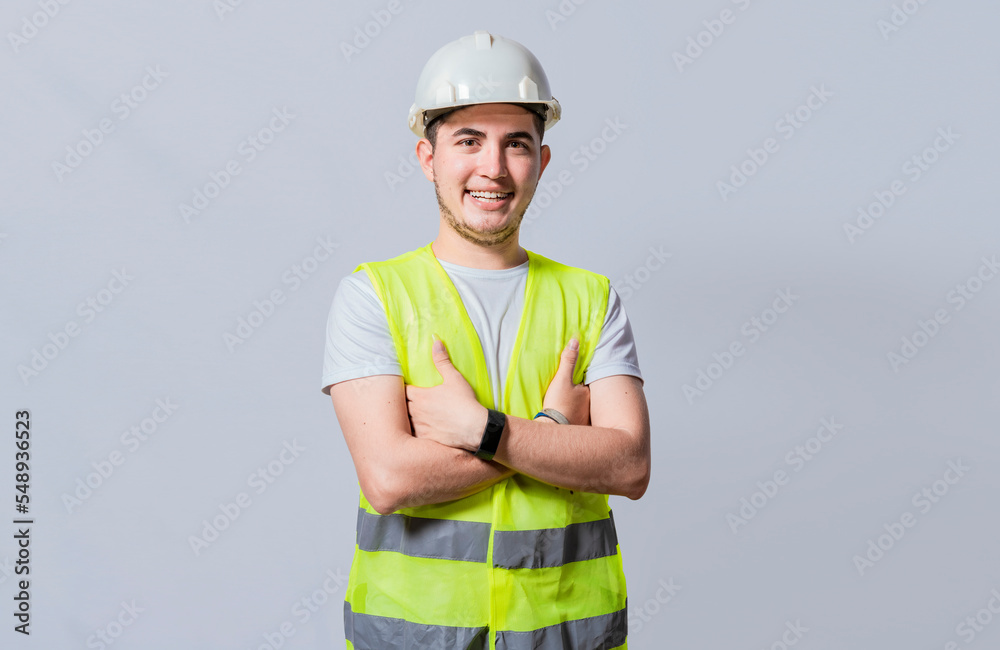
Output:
x=359 y=344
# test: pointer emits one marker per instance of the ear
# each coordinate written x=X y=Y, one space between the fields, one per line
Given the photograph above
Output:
x=425 y=154
x=546 y=155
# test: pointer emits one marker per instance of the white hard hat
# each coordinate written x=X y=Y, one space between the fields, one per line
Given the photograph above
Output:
x=481 y=69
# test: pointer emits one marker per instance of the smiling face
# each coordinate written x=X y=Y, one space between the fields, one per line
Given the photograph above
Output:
x=485 y=164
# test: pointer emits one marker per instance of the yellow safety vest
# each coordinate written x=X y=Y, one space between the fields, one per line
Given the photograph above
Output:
x=521 y=564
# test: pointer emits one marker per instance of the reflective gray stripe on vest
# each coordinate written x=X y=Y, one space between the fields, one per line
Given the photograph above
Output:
x=444 y=539
x=594 y=633
x=552 y=547
x=368 y=632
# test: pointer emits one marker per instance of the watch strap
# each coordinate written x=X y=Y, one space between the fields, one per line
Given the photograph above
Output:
x=495 y=422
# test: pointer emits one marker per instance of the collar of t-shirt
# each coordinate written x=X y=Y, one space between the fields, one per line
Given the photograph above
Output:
x=494 y=274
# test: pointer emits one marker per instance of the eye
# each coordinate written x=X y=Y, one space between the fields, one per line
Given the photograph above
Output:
x=469 y=142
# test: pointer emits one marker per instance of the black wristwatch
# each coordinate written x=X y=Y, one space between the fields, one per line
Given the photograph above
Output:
x=495 y=422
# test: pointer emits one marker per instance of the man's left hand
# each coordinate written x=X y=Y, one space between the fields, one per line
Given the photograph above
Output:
x=448 y=413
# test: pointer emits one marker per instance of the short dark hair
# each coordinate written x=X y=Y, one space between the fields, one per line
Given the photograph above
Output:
x=433 y=125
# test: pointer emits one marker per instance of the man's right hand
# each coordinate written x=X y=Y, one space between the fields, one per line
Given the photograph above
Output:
x=572 y=400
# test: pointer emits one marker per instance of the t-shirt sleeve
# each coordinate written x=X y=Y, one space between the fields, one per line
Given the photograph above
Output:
x=615 y=353
x=358 y=342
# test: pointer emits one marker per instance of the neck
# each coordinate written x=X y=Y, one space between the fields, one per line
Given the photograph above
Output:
x=451 y=247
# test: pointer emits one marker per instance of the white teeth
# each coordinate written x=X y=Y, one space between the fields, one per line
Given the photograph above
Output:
x=490 y=195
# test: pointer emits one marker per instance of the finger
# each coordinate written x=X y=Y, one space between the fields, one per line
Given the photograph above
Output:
x=567 y=361
x=439 y=353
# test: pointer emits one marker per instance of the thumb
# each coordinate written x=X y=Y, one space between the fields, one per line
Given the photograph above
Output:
x=439 y=353
x=567 y=361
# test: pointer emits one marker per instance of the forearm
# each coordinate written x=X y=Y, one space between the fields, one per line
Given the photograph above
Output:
x=422 y=472
x=395 y=469
x=611 y=457
x=604 y=460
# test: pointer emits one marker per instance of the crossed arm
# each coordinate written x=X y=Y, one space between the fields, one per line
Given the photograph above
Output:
x=412 y=446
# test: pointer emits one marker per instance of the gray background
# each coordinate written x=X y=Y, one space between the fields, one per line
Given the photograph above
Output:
x=327 y=174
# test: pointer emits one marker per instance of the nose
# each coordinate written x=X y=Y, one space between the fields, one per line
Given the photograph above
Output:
x=493 y=161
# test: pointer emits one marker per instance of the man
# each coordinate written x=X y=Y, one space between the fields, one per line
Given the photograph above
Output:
x=457 y=374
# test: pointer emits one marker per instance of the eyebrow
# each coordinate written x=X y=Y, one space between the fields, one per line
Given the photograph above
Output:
x=521 y=135
x=514 y=135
